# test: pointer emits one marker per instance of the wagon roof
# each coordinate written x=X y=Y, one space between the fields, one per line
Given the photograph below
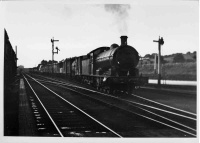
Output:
x=103 y=48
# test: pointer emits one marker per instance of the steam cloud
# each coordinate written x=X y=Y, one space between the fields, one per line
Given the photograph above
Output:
x=121 y=14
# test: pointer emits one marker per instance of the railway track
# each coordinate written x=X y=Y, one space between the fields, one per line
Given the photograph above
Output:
x=64 y=119
x=175 y=119
x=157 y=105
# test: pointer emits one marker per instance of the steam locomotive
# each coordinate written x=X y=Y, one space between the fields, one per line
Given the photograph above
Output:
x=106 y=68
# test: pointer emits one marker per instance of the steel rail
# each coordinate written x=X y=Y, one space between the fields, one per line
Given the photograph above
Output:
x=78 y=108
x=146 y=116
x=170 y=112
x=44 y=108
x=174 y=108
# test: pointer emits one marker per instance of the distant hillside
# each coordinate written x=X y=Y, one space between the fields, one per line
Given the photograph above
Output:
x=173 y=58
x=174 y=67
x=171 y=71
x=188 y=57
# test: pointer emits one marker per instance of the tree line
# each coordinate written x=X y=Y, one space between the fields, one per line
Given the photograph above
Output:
x=176 y=58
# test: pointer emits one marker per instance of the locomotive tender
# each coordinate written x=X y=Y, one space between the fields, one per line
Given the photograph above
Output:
x=106 y=68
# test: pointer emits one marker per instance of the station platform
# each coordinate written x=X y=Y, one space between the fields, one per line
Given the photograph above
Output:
x=27 y=126
x=173 y=88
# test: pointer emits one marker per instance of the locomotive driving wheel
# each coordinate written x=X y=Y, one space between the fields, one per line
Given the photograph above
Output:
x=131 y=89
x=109 y=90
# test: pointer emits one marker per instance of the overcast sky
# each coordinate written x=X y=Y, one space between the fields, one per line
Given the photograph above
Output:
x=80 y=28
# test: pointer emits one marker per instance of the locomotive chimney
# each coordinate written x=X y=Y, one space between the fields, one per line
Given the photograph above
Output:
x=123 y=40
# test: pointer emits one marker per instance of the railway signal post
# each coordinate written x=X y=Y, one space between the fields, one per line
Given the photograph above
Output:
x=160 y=42
x=52 y=41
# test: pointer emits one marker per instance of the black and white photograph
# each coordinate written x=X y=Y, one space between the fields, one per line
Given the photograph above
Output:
x=99 y=71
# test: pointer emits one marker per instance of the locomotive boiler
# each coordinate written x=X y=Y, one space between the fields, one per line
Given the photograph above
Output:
x=118 y=60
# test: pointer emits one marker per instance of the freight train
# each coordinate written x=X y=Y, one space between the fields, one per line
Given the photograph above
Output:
x=106 y=68
x=10 y=61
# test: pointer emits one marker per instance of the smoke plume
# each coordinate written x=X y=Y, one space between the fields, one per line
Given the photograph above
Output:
x=120 y=11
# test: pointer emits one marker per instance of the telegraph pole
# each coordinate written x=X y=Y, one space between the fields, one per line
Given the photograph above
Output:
x=52 y=41
x=16 y=58
x=160 y=42
x=16 y=54
x=155 y=63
